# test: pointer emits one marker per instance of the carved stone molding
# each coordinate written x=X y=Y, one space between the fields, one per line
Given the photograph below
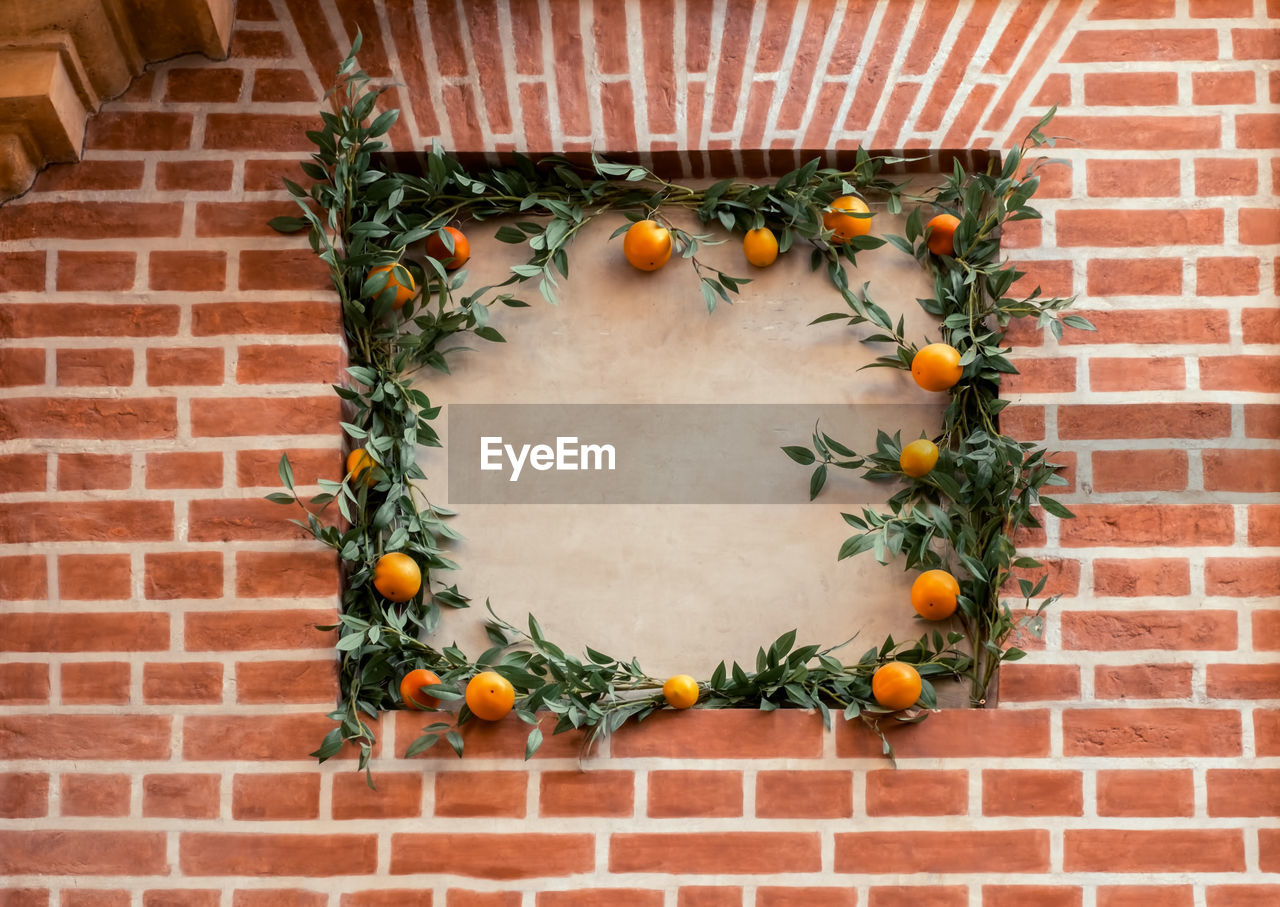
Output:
x=60 y=59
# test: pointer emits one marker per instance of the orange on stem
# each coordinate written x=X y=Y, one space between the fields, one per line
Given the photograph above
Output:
x=839 y=218
x=896 y=685
x=760 y=246
x=680 y=691
x=647 y=245
x=451 y=260
x=490 y=696
x=933 y=594
x=397 y=576
x=401 y=279
x=918 y=458
x=411 y=685
x=937 y=367
x=942 y=239
x=360 y=466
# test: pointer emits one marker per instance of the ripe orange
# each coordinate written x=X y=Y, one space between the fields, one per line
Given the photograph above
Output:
x=933 y=594
x=896 y=685
x=410 y=687
x=401 y=279
x=360 y=464
x=839 y=218
x=451 y=260
x=918 y=457
x=490 y=696
x=937 y=367
x=760 y=246
x=647 y=245
x=942 y=241
x=397 y=577
x=680 y=691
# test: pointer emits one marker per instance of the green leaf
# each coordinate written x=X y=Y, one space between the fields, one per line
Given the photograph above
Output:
x=532 y=744
x=801 y=455
x=817 y=480
x=286 y=471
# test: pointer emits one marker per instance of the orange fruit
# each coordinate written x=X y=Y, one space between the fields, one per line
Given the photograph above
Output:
x=401 y=279
x=490 y=696
x=896 y=685
x=680 y=691
x=451 y=260
x=760 y=246
x=933 y=594
x=942 y=241
x=397 y=577
x=839 y=218
x=918 y=457
x=411 y=685
x=647 y=245
x=359 y=463
x=937 y=367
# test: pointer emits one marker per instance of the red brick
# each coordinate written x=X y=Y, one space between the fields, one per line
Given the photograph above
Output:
x=723 y=734
x=114 y=736
x=1241 y=470
x=1242 y=577
x=804 y=794
x=260 y=468
x=279 y=897
x=1266 y=630
x=217 y=318
x=1258 y=130
x=1134 y=132
x=1123 y=374
x=1141 y=578
x=182 y=683
x=24 y=795
x=23 y=272
x=1133 y=179
x=80 y=472
x=919 y=895
x=226 y=854
x=1135 y=277
x=263 y=574
x=278 y=364
x=955 y=733
x=1264 y=525
x=1133 y=9
x=275 y=796
x=1040 y=895
x=1026 y=423
x=1106 y=228
x=1261 y=421
x=185 y=366
x=95 y=795
x=1241 y=895
x=203 y=85
x=917 y=793
x=181 y=796
x=600 y=897
x=1227 y=276
x=187 y=271
x=100 y=271
x=806 y=897
x=1243 y=792
x=184 y=469
x=586 y=793
x=268 y=175
x=24 y=897
x=22 y=472
x=94 y=577
x=399 y=796
x=1144 y=895
x=139 y=131
x=1245 y=373
x=1002 y=852
x=1040 y=376
x=1223 y=88
x=1137 y=45
x=282 y=86
x=1131 y=850
x=186 y=574
x=286 y=681
x=250 y=132
x=1243 y=681
x=1024 y=792
x=1269 y=849
x=1130 y=89
x=296 y=271
x=97 y=682
x=1039 y=682
x=23 y=577
x=24 y=683
x=1054 y=278
x=95 y=418
x=1109 y=631
x=1146 y=793
x=1153 y=681
x=1259 y=227
x=1190 y=326
x=405 y=897
x=1151 y=732
x=747 y=853
x=95 y=368
x=709 y=896
x=97 y=175
x=1214 y=9
x=102 y=220
x=193 y=176
x=82 y=853
x=235 y=519
x=1144 y=525
x=240 y=218
x=293 y=628
x=21 y=367
x=45 y=632
x=1261 y=325
x=252 y=738
x=1256 y=43
x=182 y=897
x=88 y=897
x=264 y=44
x=84 y=320
x=241 y=416
x=1143 y=420
x=506 y=855
x=677 y=794
x=1226 y=177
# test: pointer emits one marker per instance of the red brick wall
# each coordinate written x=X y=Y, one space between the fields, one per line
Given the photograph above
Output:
x=159 y=347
